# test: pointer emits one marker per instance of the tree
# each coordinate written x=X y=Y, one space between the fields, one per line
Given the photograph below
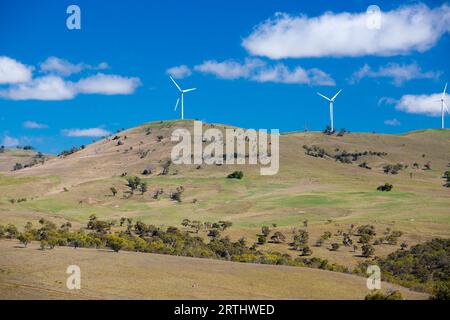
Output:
x=133 y=183
x=43 y=244
x=214 y=234
x=441 y=291
x=143 y=187
x=403 y=245
x=185 y=222
x=116 y=243
x=335 y=246
x=278 y=237
x=367 y=250
x=25 y=238
x=11 y=231
x=236 y=175
x=306 y=251
x=386 y=187
x=265 y=231
x=379 y=295
x=225 y=224
x=262 y=239
x=113 y=191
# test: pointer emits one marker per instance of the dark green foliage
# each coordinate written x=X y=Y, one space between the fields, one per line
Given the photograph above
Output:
x=379 y=295
x=393 y=168
x=334 y=247
x=422 y=265
x=236 y=175
x=386 y=187
x=367 y=250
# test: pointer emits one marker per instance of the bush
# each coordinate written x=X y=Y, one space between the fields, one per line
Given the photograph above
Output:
x=334 y=247
x=236 y=175
x=386 y=187
x=367 y=250
x=441 y=291
x=378 y=295
x=116 y=243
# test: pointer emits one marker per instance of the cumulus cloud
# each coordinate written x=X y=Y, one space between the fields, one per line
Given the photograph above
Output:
x=107 y=84
x=392 y=122
x=34 y=125
x=386 y=100
x=44 y=88
x=398 y=73
x=403 y=30
x=259 y=71
x=53 y=86
x=91 y=132
x=65 y=68
x=230 y=69
x=421 y=104
x=12 y=71
x=179 y=72
x=10 y=142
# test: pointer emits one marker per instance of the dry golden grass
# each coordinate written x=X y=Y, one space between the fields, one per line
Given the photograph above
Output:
x=30 y=273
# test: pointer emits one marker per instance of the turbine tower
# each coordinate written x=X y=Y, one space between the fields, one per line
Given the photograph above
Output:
x=331 y=107
x=444 y=106
x=182 y=92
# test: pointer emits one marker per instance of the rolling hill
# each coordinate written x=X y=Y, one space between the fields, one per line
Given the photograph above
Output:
x=320 y=180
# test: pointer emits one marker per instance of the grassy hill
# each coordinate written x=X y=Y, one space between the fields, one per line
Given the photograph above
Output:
x=10 y=157
x=128 y=275
x=330 y=194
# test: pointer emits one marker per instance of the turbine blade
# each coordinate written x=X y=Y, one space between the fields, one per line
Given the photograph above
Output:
x=336 y=95
x=446 y=107
x=445 y=89
x=176 y=105
x=176 y=84
x=326 y=98
x=189 y=90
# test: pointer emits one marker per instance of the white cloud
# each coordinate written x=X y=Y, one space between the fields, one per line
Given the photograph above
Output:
x=386 y=100
x=392 y=122
x=91 y=132
x=34 y=125
x=12 y=71
x=179 y=72
x=107 y=84
x=259 y=71
x=10 y=142
x=44 y=88
x=403 y=30
x=398 y=73
x=65 y=68
x=230 y=69
x=421 y=104
x=55 y=88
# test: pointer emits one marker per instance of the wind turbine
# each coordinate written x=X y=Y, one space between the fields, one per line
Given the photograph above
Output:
x=444 y=106
x=182 y=92
x=331 y=107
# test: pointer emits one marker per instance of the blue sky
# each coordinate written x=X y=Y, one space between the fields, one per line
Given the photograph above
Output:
x=249 y=71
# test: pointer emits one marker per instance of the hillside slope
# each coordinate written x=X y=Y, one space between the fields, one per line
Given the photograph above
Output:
x=329 y=194
x=128 y=275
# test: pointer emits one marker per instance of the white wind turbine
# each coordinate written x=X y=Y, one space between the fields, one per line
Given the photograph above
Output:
x=182 y=92
x=444 y=106
x=331 y=107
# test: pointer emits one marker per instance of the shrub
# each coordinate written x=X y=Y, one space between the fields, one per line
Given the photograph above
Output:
x=386 y=187
x=367 y=250
x=441 y=291
x=116 y=243
x=236 y=175
x=334 y=247
x=379 y=295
